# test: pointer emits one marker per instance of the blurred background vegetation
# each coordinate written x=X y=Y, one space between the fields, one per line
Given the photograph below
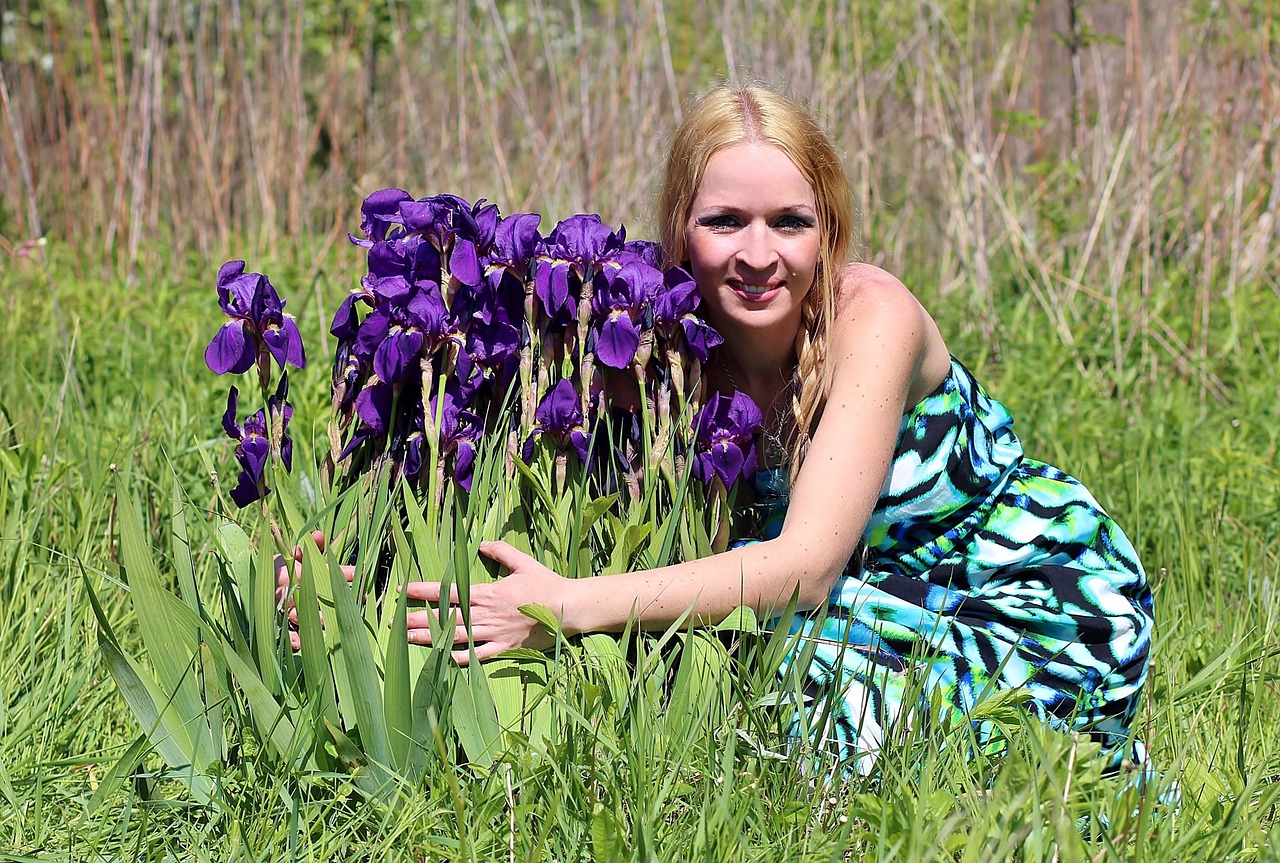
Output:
x=1118 y=135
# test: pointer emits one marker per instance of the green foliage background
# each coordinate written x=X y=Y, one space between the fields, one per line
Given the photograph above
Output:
x=1083 y=193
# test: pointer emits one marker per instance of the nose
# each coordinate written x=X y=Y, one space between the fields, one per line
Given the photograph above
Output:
x=757 y=252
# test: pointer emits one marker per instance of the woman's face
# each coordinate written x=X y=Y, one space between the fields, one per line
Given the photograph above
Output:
x=753 y=238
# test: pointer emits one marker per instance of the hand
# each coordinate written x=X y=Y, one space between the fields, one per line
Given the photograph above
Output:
x=285 y=583
x=496 y=622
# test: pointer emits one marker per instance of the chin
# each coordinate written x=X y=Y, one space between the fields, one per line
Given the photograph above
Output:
x=766 y=318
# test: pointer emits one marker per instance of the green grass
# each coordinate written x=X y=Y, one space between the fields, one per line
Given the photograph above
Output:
x=1192 y=477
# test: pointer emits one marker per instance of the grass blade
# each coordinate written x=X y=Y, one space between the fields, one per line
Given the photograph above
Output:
x=362 y=673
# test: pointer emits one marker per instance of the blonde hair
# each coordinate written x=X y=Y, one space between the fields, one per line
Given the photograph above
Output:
x=737 y=114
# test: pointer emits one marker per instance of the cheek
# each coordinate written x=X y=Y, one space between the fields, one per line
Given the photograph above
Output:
x=808 y=256
x=705 y=259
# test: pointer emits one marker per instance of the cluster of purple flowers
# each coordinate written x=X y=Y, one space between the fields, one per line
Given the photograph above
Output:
x=257 y=331
x=471 y=323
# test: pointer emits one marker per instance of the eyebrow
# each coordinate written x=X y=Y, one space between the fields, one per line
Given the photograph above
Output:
x=727 y=208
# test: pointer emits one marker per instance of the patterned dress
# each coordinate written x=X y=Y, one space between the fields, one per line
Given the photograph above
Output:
x=983 y=571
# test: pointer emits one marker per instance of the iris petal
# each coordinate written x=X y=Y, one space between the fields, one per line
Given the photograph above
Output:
x=229 y=424
x=252 y=454
x=464 y=464
x=397 y=356
x=229 y=271
x=373 y=405
x=618 y=341
x=464 y=263
x=246 y=492
x=727 y=461
x=285 y=343
x=230 y=351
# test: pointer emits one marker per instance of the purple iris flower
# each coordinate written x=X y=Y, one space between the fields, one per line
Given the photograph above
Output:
x=415 y=448
x=398 y=270
x=506 y=266
x=345 y=320
x=726 y=429
x=460 y=431
x=406 y=260
x=348 y=375
x=515 y=241
x=258 y=323
x=619 y=305
x=673 y=314
x=493 y=347
x=433 y=217
x=253 y=443
x=403 y=325
x=646 y=250
x=379 y=213
x=473 y=234
x=559 y=416
x=454 y=227
x=571 y=250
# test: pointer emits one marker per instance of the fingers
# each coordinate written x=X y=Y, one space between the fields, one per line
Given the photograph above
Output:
x=317 y=536
x=483 y=652
x=282 y=575
x=423 y=636
x=429 y=618
x=506 y=554
x=429 y=591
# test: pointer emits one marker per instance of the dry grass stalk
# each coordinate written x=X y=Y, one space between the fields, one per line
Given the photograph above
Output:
x=1087 y=153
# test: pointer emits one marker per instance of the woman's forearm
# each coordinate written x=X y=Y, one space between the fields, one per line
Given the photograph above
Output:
x=763 y=576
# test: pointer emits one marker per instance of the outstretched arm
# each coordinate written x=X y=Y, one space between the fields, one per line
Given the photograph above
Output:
x=886 y=351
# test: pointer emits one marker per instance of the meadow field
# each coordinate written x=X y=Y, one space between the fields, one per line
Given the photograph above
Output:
x=1083 y=193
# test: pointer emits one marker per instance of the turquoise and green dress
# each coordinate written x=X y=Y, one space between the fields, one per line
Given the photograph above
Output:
x=981 y=571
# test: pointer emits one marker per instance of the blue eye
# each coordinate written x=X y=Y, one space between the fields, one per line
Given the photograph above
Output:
x=721 y=222
x=792 y=222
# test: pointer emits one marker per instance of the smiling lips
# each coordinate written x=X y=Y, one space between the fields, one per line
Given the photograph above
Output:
x=755 y=292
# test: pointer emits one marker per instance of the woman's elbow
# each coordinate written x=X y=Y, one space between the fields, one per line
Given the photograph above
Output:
x=816 y=586
x=818 y=571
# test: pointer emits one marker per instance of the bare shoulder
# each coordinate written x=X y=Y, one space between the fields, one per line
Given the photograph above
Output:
x=876 y=311
x=865 y=286
x=870 y=299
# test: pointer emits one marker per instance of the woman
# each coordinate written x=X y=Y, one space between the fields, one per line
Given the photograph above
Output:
x=912 y=517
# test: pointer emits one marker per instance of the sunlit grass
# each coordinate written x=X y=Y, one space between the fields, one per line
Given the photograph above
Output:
x=1194 y=479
